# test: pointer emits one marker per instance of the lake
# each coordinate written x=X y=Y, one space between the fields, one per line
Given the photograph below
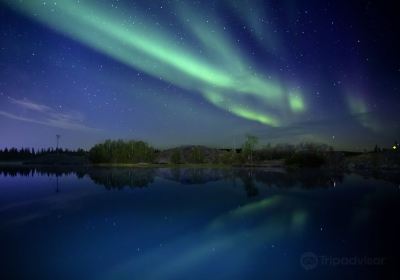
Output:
x=102 y=223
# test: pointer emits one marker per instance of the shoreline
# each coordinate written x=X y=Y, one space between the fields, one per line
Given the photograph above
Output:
x=272 y=165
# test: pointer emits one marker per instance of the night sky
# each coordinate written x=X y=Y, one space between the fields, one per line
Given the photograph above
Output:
x=199 y=72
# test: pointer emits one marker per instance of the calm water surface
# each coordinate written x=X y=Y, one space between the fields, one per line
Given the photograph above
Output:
x=197 y=224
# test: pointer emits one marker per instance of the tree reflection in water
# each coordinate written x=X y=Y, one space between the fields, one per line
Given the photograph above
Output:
x=119 y=178
x=251 y=178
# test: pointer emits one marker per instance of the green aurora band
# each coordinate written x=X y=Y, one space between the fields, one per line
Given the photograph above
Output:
x=358 y=108
x=221 y=75
x=290 y=222
x=253 y=14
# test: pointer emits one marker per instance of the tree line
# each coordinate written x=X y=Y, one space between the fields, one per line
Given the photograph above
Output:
x=31 y=153
x=120 y=151
x=133 y=151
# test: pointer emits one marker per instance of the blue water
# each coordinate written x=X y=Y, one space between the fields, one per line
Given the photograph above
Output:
x=197 y=224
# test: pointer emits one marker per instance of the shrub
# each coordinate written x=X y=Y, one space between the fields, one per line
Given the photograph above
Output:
x=306 y=159
x=176 y=157
x=197 y=155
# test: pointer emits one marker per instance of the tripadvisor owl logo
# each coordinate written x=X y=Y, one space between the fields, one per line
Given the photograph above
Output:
x=309 y=260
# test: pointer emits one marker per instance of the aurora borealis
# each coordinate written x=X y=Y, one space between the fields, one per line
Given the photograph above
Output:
x=198 y=72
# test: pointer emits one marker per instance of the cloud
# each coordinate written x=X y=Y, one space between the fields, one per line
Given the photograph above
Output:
x=45 y=115
x=30 y=105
